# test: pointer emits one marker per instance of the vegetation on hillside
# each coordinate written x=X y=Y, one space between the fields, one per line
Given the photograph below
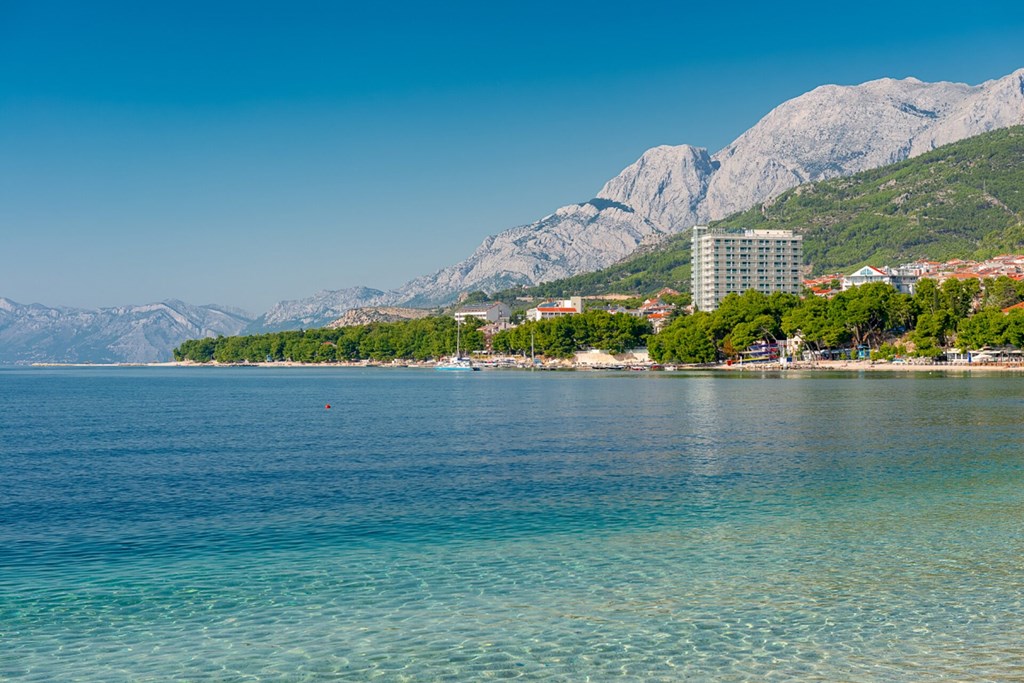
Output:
x=964 y=200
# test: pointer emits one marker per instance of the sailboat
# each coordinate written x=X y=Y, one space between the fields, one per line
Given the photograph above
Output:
x=457 y=363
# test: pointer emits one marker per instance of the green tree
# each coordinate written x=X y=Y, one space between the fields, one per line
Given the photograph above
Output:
x=1002 y=292
x=929 y=336
x=984 y=328
x=685 y=340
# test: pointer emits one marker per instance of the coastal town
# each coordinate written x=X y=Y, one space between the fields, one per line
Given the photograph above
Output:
x=729 y=263
x=750 y=308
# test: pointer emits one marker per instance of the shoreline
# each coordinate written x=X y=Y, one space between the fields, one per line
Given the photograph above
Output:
x=874 y=366
x=847 y=366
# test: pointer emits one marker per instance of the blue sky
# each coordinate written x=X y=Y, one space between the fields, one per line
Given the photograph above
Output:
x=243 y=153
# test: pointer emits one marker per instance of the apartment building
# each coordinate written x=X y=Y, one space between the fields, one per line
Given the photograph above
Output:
x=489 y=312
x=725 y=262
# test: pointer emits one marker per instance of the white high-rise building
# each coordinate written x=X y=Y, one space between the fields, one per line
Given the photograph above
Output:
x=725 y=262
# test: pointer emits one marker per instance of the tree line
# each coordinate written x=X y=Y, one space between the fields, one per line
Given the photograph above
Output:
x=965 y=312
x=563 y=337
x=422 y=339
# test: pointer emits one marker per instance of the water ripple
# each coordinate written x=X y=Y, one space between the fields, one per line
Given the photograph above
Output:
x=222 y=526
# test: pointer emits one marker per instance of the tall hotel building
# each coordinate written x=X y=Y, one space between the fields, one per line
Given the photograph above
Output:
x=724 y=262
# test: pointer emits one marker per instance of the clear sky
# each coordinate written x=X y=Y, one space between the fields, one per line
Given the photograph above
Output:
x=243 y=153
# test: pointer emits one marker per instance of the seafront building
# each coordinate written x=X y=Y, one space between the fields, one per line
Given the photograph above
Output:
x=1009 y=265
x=490 y=312
x=904 y=278
x=733 y=262
x=556 y=309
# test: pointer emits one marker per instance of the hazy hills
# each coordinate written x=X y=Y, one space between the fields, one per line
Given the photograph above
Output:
x=315 y=311
x=132 y=334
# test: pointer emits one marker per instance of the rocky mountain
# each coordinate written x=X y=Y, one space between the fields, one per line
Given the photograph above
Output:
x=377 y=314
x=829 y=132
x=836 y=131
x=125 y=334
x=576 y=237
x=316 y=311
x=961 y=200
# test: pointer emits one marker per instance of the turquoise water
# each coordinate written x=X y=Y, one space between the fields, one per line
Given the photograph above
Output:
x=222 y=525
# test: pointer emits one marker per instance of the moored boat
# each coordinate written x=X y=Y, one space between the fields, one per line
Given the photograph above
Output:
x=457 y=363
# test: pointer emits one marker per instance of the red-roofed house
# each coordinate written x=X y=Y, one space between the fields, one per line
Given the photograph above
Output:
x=658 y=312
x=1015 y=307
x=556 y=309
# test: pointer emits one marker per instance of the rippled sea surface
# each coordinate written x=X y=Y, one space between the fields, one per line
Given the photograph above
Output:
x=222 y=525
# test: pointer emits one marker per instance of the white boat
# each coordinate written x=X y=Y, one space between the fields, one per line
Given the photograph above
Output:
x=457 y=363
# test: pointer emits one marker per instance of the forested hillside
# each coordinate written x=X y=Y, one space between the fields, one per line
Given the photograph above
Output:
x=964 y=200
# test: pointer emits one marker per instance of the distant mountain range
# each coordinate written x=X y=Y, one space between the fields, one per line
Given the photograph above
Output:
x=829 y=132
x=316 y=311
x=125 y=334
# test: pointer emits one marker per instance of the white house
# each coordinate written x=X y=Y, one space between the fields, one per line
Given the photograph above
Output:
x=556 y=309
x=491 y=312
x=903 y=280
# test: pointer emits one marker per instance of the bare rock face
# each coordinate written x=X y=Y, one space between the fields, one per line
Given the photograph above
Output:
x=378 y=314
x=316 y=311
x=840 y=130
x=124 y=334
x=994 y=105
x=666 y=185
x=576 y=238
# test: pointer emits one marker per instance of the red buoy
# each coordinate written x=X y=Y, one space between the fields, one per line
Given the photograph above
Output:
x=328 y=406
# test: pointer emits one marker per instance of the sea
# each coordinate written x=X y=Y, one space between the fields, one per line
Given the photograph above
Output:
x=225 y=524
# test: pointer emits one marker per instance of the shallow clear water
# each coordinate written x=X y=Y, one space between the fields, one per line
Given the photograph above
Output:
x=221 y=524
